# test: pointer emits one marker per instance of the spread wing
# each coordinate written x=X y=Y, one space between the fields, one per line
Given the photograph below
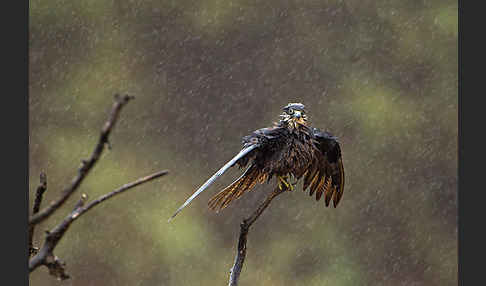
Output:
x=254 y=174
x=244 y=152
x=325 y=176
x=254 y=144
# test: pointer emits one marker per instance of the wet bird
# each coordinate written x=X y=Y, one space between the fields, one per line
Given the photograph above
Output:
x=289 y=149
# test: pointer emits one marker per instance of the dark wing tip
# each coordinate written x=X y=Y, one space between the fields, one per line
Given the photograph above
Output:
x=327 y=200
x=335 y=199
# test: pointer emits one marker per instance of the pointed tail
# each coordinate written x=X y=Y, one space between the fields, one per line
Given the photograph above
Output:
x=211 y=180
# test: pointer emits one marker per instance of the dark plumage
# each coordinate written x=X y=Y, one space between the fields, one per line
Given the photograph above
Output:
x=290 y=148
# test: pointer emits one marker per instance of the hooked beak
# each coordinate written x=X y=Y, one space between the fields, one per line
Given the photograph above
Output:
x=297 y=114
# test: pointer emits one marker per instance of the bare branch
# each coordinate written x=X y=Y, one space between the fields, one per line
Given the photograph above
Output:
x=37 y=202
x=56 y=267
x=87 y=165
x=39 y=192
x=46 y=256
x=244 y=228
x=122 y=189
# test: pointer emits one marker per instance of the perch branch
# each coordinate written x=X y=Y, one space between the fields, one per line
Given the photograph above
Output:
x=37 y=202
x=87 y=165
x=244 y=228
x=45 y=255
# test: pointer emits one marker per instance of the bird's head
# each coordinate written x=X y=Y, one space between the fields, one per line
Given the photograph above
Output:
x=294 y=114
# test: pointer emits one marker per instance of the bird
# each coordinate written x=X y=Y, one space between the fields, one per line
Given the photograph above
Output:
x=289 y=149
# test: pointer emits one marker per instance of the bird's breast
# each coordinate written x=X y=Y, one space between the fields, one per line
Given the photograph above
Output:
x=292 y=156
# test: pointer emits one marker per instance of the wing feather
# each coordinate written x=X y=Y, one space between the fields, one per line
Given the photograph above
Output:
x=319 y=188
x=314 y=183
x=325 y=176
x=244 y=153
x=329 y=191
x=254 y=144
x=310 y=174
x=234 y=191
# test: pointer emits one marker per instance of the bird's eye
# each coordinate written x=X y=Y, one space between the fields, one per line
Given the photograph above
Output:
x=291 y=111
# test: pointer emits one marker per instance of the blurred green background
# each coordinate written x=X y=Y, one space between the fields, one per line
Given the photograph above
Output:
x=380 y=75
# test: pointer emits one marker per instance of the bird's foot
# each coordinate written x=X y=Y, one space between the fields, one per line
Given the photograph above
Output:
x=283 y=184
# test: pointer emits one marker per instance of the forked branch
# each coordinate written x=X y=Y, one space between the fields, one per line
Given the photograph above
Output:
x=87 y=165
x=45 y=255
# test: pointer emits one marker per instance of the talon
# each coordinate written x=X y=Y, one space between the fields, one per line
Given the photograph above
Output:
x=291 y=187
x=283 y=180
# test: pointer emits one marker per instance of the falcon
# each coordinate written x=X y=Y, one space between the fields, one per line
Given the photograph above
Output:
x=290 y=149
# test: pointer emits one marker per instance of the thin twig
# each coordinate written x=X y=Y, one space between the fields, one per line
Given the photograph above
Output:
x=37 y=202
x=122 y=189
x=46 y=256
x=244 y=228
x=87 y=165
